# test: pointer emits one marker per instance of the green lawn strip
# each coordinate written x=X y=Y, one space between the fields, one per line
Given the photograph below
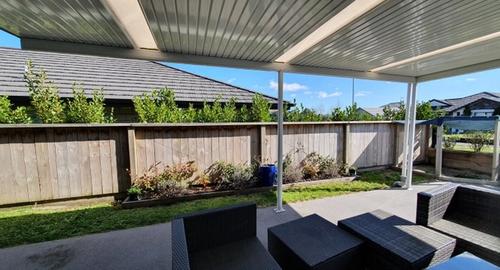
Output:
x=22 y=225
x=467 y=148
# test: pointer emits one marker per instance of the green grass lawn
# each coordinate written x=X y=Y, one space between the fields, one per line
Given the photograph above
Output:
x=22 y=225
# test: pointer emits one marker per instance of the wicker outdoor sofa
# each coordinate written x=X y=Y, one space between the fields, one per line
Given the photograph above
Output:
x=469 y=214
x=223 y=238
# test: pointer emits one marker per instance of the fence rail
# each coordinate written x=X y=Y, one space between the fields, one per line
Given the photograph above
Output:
x=48 y=162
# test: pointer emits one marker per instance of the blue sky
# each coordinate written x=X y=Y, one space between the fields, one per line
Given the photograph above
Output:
x=324 y=92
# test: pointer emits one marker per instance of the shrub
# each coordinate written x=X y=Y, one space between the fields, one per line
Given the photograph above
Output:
x=300 y=114
x=226 y=176
x=8 y=115
x=82 y=110
x=315 y=166
x=211 y=113
x=189 y=115
x=260 y=111
x=244 y=114
x=45 y=99
x=449 y=142
x=478 y=140
x=167 y=181
x=157 y=107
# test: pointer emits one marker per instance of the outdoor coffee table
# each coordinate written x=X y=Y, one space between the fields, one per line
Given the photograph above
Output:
x=313 y=243
x=396 y=243
x=465 y=261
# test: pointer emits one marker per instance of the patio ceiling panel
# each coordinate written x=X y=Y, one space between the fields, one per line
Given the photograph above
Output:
x=79 y=21
x=398 y=30
x=256 y=30
x=479 y=53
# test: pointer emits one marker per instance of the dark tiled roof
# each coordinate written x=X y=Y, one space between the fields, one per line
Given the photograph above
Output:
x=457 y=103
x=119 y=78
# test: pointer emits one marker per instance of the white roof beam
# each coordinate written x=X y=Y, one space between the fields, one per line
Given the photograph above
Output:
x=129 y=16
x=152 y=55
x=439 y=51
x=347 y=15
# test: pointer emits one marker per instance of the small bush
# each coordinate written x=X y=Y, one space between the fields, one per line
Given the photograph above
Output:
x=315 y=166
x=260 y=111
x=226 y=176
x=82 y=110
x=478 y=140
x=158 y=107
x=449 y=142
x=45 y=98
x=165 y=182
x=8 y=115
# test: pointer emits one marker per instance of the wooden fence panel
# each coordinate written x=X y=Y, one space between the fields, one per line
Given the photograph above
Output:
x=204 y=145
x=41 y=164
x=59 y=162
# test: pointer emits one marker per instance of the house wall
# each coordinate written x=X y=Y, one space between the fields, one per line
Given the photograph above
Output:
x=65 y=161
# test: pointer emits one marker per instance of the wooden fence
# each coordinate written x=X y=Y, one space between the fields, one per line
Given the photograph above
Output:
x=49 y=162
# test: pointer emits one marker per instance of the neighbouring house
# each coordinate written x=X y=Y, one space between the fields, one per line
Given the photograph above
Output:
x=480 y=104
x=379 y=110
x=120 y=80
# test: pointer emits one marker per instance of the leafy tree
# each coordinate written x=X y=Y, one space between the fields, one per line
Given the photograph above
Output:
x=229 y=112
x=8 y=115
x=45 y=98
x=82 y=110
x=301 y=114
x=189 y=114
x=394 y=113
x=260 y=111
x=158 y=107
x=211 y=113
x=338 y=114
x=425 y=111
x=244 y=115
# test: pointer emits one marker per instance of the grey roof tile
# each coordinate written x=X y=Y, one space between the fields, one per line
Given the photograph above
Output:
x=119 y=78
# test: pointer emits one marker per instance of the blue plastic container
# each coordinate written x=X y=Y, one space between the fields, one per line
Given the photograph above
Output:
x=268 y=174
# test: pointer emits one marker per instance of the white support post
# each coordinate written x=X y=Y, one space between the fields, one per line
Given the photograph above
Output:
x=411 y=136
x=405 y=133
x=279 y=191
x=496 y=151
x=439 y=152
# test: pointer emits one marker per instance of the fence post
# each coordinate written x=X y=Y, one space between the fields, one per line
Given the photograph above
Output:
x=496 y=152
x=439 y=152
x=132 y=152
x=396 y=144
x=347 y=143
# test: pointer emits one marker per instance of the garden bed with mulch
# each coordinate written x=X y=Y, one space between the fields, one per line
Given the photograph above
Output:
x=129 y=204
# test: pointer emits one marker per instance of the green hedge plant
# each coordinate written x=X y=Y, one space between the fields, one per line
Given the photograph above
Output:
x=45 y=99
x=9 y=115
x=83 y=110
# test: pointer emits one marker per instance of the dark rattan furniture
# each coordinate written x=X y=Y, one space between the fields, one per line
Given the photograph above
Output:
x=396 y=243
x=469 y=214
x=313 y=243
x=224 y=238
x=465 y=261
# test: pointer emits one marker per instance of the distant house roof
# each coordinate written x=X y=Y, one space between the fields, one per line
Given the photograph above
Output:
x=380 y=110
x=120 y=79
x=457 y=103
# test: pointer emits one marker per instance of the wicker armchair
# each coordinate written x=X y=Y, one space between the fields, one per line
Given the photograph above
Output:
x=469 y=214
x=223 y=238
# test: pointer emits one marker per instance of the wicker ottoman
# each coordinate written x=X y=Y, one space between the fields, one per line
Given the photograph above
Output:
x=313 y=243
x=396 y=243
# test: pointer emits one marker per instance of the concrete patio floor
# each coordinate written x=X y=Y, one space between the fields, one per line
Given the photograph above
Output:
x=149 y=247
